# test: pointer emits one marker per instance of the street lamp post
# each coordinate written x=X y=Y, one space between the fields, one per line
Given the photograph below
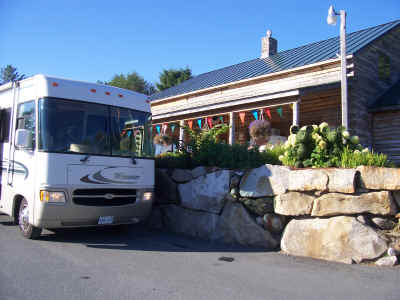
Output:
x=331 y=20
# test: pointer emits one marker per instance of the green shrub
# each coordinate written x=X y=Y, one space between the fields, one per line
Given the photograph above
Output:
x=205 y=149
x=356 y=158
x=322 y=147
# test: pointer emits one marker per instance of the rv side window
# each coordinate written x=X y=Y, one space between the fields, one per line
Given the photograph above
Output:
x=26 y=118
x=5 y=115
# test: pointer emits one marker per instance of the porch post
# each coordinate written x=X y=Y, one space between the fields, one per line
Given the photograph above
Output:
x=181 y=131
x=231 y=128
x=296 y=113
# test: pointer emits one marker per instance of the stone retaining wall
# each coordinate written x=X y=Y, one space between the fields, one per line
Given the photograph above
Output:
x=345 y=215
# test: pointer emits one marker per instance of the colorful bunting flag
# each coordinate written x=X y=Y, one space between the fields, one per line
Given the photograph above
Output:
x=209 y=122
x=190 y=123
x=291 y=106
x=279 y=110
x=199 y=122
x=173 y=127
x=255 y=114
x=164 y=128
x=158 y=128
x=268 y=112
x=242 y=117
x=221 y=118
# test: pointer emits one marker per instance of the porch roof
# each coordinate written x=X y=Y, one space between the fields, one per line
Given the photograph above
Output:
x=285 y=60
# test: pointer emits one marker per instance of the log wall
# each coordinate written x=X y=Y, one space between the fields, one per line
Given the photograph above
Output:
x=367 y=86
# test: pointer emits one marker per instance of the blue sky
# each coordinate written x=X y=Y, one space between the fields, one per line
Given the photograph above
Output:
x=93 y=40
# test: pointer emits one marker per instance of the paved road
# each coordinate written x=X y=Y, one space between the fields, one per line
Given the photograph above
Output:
x=143 y=264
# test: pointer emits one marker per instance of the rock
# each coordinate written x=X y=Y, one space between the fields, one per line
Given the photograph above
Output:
x=382 y=223
x=308 y=180
x=341 y=239
x=235 y=180
x=362 y=219
x=155 y=220
x=341 y=180
x=375 y=178
x=392 y=252
x=166 y=190
x=273 y=223
x=387 y=261
x=259 y=206
x=181 y=175
x=190 y=222
x=206 y=193
x=199 y=171
x=235 y=226
x=333 y=204
x=396 y=197
x=294 y=204
x=267 y=180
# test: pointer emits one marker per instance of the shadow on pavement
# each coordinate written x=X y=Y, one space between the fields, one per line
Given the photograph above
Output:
x=138 y=237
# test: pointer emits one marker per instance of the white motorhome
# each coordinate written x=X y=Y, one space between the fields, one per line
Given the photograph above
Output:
x=74 y=154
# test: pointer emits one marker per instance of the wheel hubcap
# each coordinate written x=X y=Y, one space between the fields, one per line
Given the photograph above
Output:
x=24 y=217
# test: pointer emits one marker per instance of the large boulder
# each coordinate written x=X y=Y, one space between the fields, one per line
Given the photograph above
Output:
x=166 y=190
x=379 y=178
x=235 y=226
x=267 y=180
x=189 y=222
x=341 y=180
x=199 y=171
x=308 y=180
x=333 y=204
x=259 y=206
x=341 y=239
x=294 y=204
x=181 y=175
x=206 y=193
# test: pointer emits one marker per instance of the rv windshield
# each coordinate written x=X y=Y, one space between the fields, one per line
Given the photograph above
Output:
x=69 y=126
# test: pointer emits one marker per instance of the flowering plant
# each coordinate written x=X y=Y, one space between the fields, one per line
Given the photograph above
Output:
x=318 y=146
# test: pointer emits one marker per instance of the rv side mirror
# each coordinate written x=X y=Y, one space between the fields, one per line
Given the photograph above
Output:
x=23 y=139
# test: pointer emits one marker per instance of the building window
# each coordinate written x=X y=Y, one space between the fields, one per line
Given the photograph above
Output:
x=384 y=67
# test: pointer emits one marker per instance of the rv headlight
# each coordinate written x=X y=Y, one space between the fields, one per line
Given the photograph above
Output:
x=147 y=196
x=52 y=197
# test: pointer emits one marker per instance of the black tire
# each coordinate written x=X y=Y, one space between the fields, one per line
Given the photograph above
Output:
x=28 y=230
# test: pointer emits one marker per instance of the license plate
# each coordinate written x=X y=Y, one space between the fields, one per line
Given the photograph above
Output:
x=106 y=220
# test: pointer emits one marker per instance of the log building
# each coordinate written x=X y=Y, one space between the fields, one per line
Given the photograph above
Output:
x=297 y=86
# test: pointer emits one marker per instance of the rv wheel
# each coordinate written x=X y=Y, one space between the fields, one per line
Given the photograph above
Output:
x=28 y=230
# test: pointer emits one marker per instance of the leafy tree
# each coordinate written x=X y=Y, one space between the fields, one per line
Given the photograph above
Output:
x=131 y=81
x=9 y=73
x=172 y=77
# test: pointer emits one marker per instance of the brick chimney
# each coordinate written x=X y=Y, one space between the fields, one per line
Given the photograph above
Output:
x=269 y=45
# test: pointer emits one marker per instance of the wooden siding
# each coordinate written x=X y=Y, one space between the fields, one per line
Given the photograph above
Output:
x=366 y=86
x=386 y=134
x=227 y=96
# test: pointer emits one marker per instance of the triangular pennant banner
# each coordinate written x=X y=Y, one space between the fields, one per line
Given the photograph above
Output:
x=255 y=114
x=209 y=122
x=242 y=117
x=221 y=118
x=173 y=127
x=268 y=112
x=291 y=106
x=158 y=128
x=190 y=123
x=164 y=128
x=199 y=122
x=279 y=110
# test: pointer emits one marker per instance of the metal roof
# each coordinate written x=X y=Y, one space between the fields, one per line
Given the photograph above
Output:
x=390 y=99
x=285 y=60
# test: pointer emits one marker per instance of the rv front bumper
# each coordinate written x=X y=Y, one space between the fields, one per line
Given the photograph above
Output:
x=89 y=210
